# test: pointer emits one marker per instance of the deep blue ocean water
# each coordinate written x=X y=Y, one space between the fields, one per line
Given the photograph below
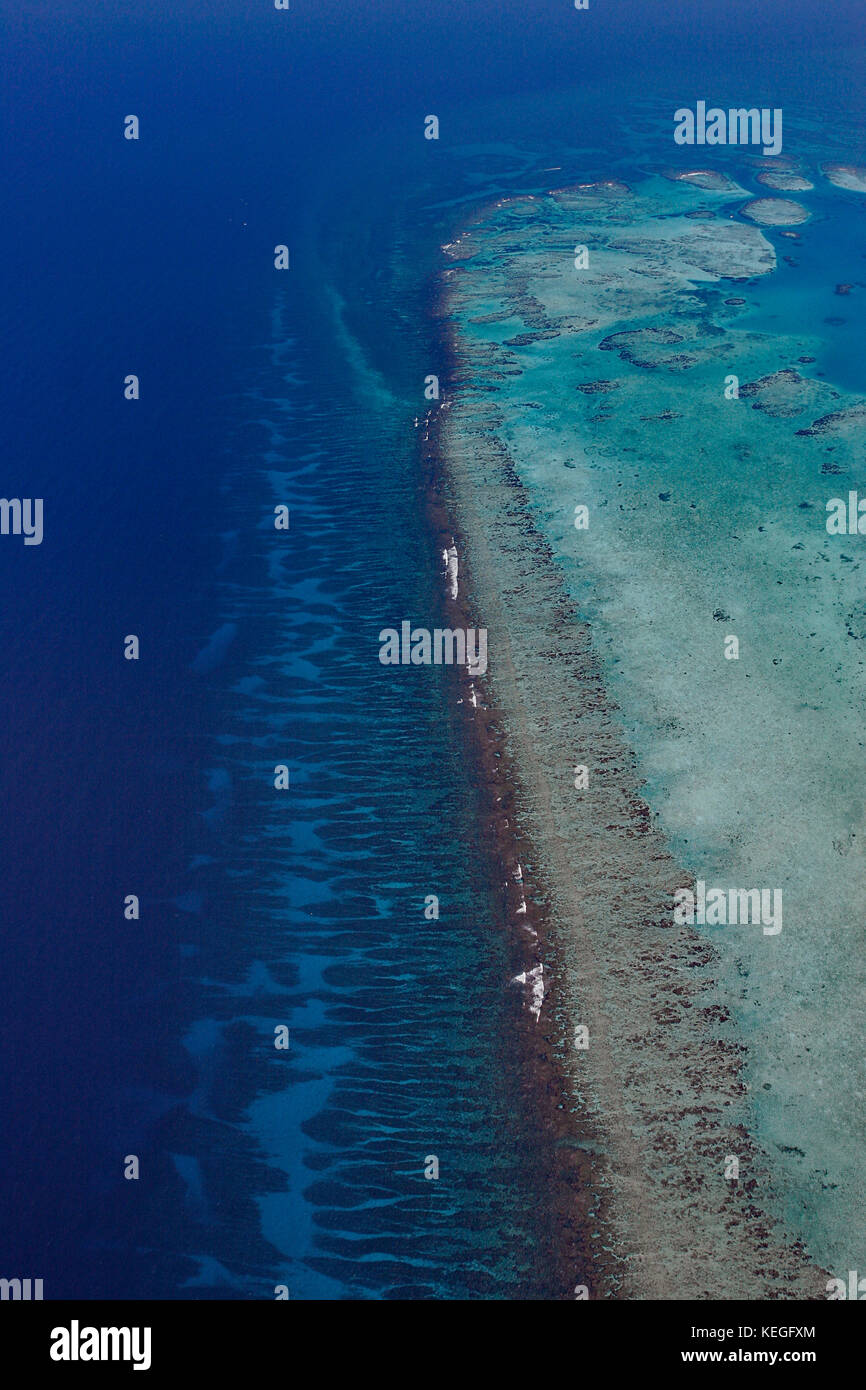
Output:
x=258 y=907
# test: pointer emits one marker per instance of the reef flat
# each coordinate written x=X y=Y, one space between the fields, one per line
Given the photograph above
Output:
x=623 y=517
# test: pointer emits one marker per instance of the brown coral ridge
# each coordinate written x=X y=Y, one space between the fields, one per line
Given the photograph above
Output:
x=598 y=388
x=838 y=421
x=574 y=1225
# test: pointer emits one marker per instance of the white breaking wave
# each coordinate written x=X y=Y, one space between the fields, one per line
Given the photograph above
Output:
x=533 y=978
x=449 y=560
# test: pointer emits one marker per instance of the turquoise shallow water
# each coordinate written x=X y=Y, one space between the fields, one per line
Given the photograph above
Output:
x=707 y=520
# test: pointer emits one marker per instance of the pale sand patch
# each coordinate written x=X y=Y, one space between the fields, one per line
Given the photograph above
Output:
x=602 y=188
x=850 y=176
x=785 y=162
x=775 y=212
x=785 y=182
x=708 y=179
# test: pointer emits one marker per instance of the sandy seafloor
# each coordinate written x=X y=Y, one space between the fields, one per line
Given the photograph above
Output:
x=605 y=386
